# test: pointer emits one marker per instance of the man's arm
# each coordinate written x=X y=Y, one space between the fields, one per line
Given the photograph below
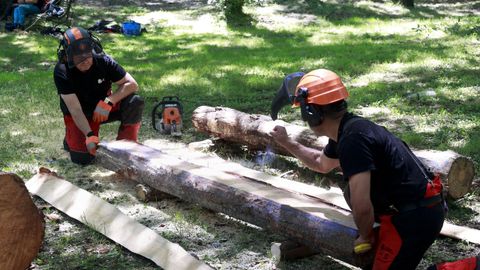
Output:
x=314 y=159
x=362 y=208
x=126 y=86
x=76 y=111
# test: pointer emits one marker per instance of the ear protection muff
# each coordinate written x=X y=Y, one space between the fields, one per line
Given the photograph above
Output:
x=311 y=114
x=62 y=52
x=96 y=45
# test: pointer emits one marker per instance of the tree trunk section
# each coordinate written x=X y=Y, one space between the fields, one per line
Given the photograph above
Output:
x=21 y=224
x=303 y=219
x=253 y=130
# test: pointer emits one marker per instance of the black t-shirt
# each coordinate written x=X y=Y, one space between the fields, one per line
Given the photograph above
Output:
x=91 y=86
x=365 y=146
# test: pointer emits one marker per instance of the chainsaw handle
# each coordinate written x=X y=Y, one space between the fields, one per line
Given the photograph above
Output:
x=154 y=116
x=171 y=98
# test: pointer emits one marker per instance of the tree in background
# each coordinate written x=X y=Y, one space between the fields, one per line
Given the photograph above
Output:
x=231 y=8
x=406 y=3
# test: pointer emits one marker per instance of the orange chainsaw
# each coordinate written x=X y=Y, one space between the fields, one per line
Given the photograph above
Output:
x=167 y=116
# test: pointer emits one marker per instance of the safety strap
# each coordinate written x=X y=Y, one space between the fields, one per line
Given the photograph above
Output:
x=425 y=202
x=428 y=176
x=350 y=122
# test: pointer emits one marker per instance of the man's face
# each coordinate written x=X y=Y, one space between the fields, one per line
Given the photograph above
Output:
x=83 y=63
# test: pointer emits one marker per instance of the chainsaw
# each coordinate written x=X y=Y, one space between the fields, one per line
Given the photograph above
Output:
x=167 y=116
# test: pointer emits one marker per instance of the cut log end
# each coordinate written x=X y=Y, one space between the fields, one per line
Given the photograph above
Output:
x=21 y=224
x=460 y=177
x=148 y=194
x=289 y=250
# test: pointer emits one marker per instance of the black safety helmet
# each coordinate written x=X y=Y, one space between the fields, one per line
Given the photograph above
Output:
x=77 y=45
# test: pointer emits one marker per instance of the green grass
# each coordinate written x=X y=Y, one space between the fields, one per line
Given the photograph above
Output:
x=388 y=57
x=383 y=60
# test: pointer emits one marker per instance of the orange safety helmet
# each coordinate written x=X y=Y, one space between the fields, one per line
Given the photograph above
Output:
x=319 y=87
x=324 y=87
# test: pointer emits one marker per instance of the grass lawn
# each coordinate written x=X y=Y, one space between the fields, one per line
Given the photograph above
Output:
x=414 y=71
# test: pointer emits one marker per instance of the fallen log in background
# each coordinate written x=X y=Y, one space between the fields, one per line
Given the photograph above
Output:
x=253 y=130
x=21 y=224
x=301 y=218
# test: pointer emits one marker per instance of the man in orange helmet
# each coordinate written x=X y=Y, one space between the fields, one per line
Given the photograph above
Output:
x=386 y=181
x=83 y=77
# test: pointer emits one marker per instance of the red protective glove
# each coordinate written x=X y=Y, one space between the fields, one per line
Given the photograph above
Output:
x=92 y=143
x=101 y=112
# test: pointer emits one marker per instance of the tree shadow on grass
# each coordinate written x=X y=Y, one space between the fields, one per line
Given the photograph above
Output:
x=342 y=11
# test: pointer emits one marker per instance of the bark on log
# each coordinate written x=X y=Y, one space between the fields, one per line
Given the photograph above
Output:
x=21 y=224
x=253 y=130
x=333 y=196
x=300 y=218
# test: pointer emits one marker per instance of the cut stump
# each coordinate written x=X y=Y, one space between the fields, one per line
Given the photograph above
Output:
x=21 y=224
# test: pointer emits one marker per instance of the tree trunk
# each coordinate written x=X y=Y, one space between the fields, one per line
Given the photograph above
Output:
x=303 y=219
x=21 y=224
x=253 y=130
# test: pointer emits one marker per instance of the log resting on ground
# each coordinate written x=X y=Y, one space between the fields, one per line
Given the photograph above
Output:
x=300 y=218
x=21 y=224
x=253 y=130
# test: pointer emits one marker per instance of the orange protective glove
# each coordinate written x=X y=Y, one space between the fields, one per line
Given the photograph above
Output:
x=101 y=112
x=92 y=143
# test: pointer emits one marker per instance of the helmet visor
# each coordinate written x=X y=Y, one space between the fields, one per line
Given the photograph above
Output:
x=78 y=52
x=285 y=94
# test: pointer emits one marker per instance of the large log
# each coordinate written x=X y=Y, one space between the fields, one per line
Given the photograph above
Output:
x=21 y=224
x=253 y=130
x=333 y=196
x=306 y=220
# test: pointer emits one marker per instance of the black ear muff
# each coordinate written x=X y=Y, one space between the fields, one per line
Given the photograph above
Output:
x=96 y=45
x=62 y=52
x=314 y=115
x=311 y=114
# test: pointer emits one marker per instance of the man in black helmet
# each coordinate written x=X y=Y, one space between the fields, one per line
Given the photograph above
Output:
x=387 y=183
x=83 y=77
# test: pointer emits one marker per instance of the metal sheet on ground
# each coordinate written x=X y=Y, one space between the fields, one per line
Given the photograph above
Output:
x=111 y=222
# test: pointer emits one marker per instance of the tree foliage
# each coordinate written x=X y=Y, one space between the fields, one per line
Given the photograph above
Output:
x=406 y=3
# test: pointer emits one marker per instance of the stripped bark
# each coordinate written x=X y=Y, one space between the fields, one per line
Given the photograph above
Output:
x=21 y=224
x=253 y=130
